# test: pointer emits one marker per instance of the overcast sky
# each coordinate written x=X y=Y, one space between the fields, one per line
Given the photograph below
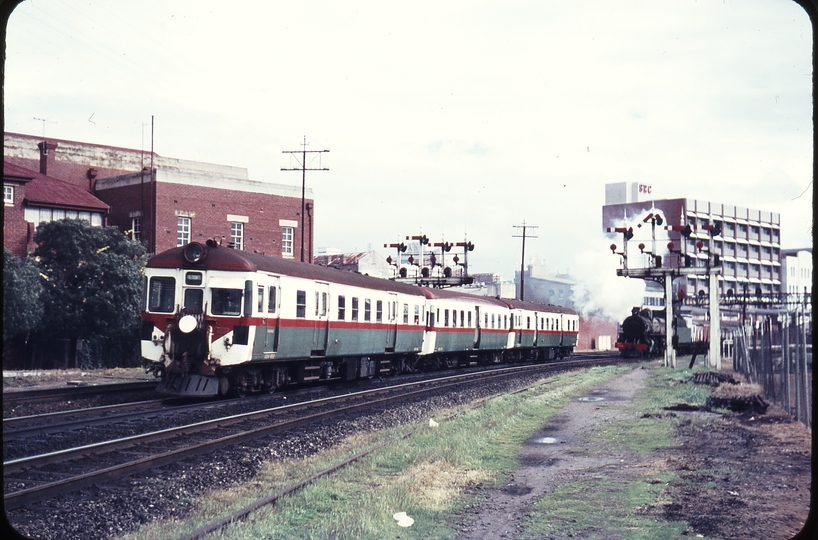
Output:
x=451 y=118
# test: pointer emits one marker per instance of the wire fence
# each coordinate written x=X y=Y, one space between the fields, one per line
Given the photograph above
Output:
x=775 y=351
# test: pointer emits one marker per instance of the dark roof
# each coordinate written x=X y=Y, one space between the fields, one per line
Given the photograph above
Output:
x=18 y=174
x=45 y=190
x=222 y=258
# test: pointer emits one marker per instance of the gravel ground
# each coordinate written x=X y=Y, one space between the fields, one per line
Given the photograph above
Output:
x=103 y=512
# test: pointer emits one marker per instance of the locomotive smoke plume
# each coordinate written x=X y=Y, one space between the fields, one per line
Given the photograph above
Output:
x=599 y=290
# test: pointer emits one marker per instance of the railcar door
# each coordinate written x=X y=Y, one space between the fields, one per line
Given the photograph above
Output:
x=321 y=321
x=391 y=321
x=477 y=327
x=537 y=324
x=271 y=315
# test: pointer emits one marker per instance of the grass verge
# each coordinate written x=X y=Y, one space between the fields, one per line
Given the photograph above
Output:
x=425 y=475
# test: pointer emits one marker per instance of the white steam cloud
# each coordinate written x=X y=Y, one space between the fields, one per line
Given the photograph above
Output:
x=598 y=289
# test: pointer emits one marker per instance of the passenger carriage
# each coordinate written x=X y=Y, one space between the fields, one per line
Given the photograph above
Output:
x=463 y=328
x=541 y=332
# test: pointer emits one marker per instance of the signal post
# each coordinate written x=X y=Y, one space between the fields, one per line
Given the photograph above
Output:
x=665 y=275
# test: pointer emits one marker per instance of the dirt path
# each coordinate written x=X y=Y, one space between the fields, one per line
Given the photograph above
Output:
x=743 y=477
x=546 y=462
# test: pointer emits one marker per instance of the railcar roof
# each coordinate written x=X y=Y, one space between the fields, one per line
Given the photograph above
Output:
x=433 y=294
x=222 y=258
x=532 y=306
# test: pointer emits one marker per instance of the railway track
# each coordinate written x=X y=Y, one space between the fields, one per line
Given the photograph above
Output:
x=13 y=398
x=47 y=475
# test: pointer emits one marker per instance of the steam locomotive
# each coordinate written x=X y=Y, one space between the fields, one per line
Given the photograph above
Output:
x=643 y=332
x=219 y=321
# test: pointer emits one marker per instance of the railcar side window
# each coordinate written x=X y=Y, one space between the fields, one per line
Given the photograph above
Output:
x=367 y=309
x=469 y=319
x=301 y=304
x=271 y=300
x=379 y=311
x=445 y=317
x=194 y=300
x=162 y=293
x=354 y=308
x=342 y=306
x=225 y=301
x=260 y=299
x=417 y=314
x=405 y=313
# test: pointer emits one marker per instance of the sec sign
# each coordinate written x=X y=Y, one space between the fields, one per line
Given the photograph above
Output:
x=644 y=188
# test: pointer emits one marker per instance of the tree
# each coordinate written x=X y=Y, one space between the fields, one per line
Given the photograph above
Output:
x=93 y=285
x=22 y=310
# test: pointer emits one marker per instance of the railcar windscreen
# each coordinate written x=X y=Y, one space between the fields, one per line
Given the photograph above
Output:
x=162 y=294
x=194 y=300
x=225 y=301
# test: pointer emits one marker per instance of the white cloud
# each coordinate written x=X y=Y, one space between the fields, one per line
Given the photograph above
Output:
x=461 y=117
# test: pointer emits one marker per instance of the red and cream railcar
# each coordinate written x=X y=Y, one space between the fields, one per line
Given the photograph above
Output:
x=542 y=332
x=218 y=319
x=463 y=328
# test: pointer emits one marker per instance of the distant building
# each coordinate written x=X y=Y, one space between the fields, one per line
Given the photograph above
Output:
x=178 y=201
x=31 y=198
x=489 y=284
x=749 y=244
x=796 y=266
x=368 y=263
x=546 y=287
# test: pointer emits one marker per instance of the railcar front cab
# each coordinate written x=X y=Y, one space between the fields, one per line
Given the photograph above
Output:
x=195 y=321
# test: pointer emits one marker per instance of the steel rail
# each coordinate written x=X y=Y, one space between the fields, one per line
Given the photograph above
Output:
x=18 y=498
x=39 y=395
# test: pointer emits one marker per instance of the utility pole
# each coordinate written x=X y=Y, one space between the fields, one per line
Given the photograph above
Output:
x=522 y=263
x=303 y=169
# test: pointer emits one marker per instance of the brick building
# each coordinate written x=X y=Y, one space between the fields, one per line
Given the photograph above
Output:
x=31 y=198
x=164 y=202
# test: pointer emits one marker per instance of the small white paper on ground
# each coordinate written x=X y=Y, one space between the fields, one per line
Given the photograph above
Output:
x=403 y=520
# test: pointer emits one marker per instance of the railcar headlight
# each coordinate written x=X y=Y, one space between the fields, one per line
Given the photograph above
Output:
x=194 y=252
x=187 y=324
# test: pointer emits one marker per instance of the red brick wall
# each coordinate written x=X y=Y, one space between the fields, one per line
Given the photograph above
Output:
x=208 y=209
x=15 y=229
x=590 y=328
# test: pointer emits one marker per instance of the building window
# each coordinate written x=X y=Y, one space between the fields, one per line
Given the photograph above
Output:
x=37 y=215
x=8 y=194
x=182 y=231
x=237 y=235
x=136 y=229
x=287 y=241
